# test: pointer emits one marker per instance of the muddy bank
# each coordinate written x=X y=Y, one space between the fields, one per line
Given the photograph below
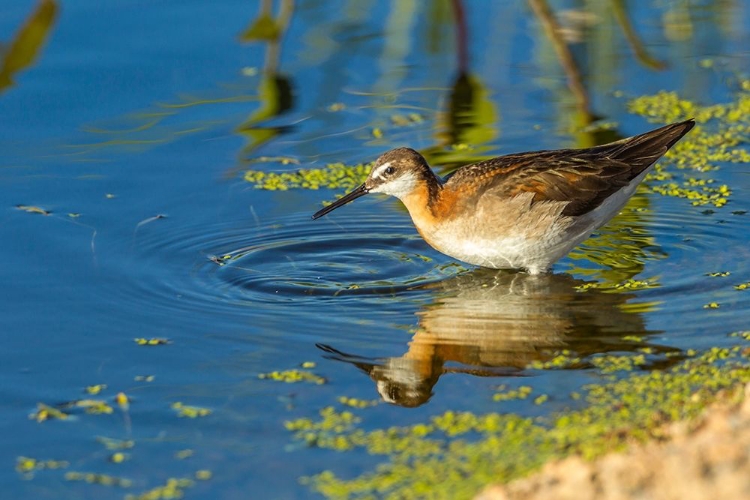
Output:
x=705 y=458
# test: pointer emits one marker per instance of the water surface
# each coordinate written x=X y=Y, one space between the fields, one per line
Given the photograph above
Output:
x=129 y=127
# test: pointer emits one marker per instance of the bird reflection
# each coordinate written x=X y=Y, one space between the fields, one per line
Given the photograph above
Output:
x=487 y=323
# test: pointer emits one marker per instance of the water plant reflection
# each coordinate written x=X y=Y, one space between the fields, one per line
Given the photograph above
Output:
x=274 y=88
x=486 y=323
x=471 y=116
x=27 y=43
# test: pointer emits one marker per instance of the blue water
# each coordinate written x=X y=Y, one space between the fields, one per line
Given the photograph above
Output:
x=132 y=124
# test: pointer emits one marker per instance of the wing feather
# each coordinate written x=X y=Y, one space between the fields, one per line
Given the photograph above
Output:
x=582 y=177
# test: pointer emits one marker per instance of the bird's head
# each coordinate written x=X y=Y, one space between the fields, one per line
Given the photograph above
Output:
x=397 y=173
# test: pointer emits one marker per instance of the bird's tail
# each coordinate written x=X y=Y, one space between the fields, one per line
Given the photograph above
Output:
x=642 y=151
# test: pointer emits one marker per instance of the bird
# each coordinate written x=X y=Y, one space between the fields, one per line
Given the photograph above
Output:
x=521 y=211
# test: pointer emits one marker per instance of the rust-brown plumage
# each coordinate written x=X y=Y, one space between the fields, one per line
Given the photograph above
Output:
x=582 y=177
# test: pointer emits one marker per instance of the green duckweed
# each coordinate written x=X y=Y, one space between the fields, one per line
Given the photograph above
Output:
x=561 y=360
x=522 y=392
x=610 y=363
x=95 y=389
x=293 y=376
x=190 y=411
x=46 y=412
x=27 y=466
x=172 y=488
x=633 y=338
x=630 y=284
x=118 y=457
x=115 y=444
x=183 y=454
x=333 y=176
x=357 y=403
x=100 y=479
x=719 y=137
x=203 y=475
x=91 y=406
x=152 y=341
x=541 y=399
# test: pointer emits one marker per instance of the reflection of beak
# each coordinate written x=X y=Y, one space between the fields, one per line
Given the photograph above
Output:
x=367 y=365
x=360 y=191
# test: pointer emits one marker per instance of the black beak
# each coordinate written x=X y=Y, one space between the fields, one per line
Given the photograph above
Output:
x=360 y=191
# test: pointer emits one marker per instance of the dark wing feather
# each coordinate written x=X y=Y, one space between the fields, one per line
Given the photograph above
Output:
x=582 y=177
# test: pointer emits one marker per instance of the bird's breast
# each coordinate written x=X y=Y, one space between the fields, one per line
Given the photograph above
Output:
x=498 y=232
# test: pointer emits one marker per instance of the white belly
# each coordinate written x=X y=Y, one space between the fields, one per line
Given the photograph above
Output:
x=513 y=234
x=506 y=252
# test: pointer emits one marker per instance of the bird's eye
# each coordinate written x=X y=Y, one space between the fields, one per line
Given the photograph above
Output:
x=389 y=171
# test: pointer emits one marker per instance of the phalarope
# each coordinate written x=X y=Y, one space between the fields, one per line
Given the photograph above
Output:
x=519 y=211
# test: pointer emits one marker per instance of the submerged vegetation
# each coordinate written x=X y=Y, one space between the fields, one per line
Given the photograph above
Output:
x=293 y=376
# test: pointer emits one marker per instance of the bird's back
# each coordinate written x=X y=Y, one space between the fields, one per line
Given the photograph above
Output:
x=582 y=177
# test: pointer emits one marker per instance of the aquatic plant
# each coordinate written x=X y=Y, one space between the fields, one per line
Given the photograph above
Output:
x=719 y=137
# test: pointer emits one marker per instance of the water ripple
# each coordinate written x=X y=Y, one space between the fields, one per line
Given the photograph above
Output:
x=219 y=265
x=227 y=265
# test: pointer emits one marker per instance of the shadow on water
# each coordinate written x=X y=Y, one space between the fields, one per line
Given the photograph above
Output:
x=494 y=324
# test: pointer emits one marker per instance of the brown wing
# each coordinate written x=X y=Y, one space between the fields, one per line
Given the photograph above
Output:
x=582 y=177
x=584 y=182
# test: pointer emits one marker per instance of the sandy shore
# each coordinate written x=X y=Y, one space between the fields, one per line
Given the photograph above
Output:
x=703 y=459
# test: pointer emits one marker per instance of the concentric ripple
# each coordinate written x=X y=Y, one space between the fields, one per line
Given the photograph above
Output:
x=219 y=265
x=224 y=265
x=370 y=258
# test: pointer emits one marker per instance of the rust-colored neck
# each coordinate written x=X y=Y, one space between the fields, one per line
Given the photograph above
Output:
x=428 y=191
x=424 y=200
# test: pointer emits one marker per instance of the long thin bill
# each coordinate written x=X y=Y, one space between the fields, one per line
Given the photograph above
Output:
x=360 y=191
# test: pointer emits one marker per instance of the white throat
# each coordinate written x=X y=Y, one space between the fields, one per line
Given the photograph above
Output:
x=399 y=187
